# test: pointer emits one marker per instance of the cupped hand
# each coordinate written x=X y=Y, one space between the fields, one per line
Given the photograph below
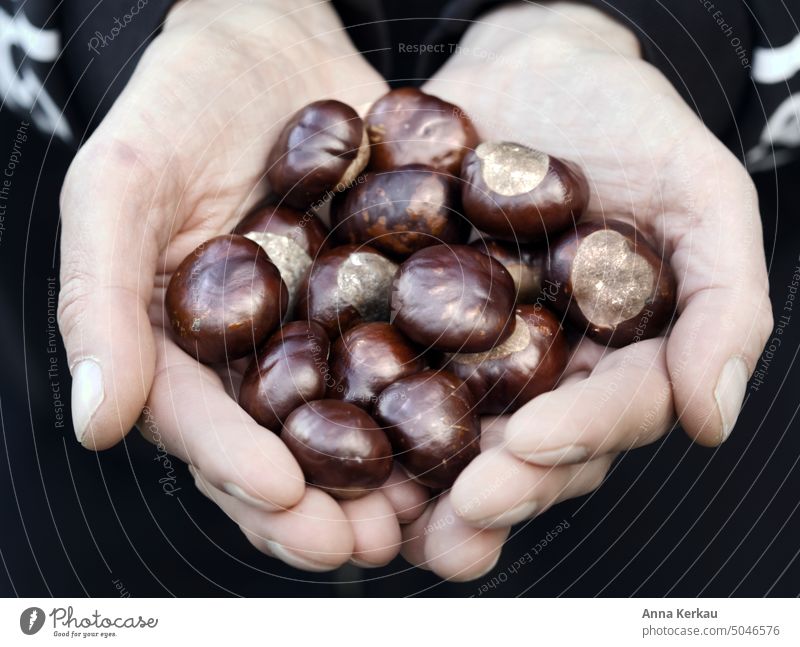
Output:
x=176 y=161
x=568 y=80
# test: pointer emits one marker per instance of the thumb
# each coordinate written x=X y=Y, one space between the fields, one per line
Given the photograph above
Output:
x=109 y=252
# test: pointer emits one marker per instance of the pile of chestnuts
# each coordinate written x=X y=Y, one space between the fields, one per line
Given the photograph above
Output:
x=403 y=279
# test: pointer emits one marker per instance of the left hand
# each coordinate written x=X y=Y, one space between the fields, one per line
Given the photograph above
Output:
x=569 y=80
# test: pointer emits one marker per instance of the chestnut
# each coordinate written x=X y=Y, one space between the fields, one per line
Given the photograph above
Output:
x=322 y=149
x=368 y=358
x=345 y=286
x=433 y=425
x=224 y=299
x=525 y=365
x=408 y=126
x=401 y=211
x=339 y=447
x=289 y=370
x=290 y=238
x=453 y=298
x=520 y=194
x=611 y=282
x=525 y=263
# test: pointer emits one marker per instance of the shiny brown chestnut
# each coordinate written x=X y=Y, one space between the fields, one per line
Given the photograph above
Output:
x=289 y=370
x=322 y=149
x=339 y=447
x=368 y=358
x=408 y=126
x=611 y=282
x=290 y=238
x=433 y=424
x=520 y=194
x=224 y=299
x=401 y=211
x=525 y=263
x=345 y=286
x=525 y=365
x=453 y=298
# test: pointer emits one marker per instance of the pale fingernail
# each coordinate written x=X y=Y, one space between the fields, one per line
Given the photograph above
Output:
x=238 y=493
x=87 y=395
x=730 y=392
x=566 y=454
x=509 y=517
x=293 y=559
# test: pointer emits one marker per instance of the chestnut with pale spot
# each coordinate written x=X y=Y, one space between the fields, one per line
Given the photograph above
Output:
x=433 y=425
x=339 y=447
x=290 y=238
x=525 y=263
x=346 y=286
x=517 y=193
x=401 y=211
x=611 y=282
x=321 y=149
x=408 y=126
x=368 y=358
x=224 y=299
x=289 y=370
x=453 y=298
x=525 y=365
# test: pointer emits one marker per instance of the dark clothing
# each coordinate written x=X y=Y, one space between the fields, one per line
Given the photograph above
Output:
x=671 y=519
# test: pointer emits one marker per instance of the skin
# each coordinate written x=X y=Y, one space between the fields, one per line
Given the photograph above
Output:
x=641 y=147
x=176 y=161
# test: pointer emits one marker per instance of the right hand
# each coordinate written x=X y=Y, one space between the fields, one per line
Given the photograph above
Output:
x=176 y=161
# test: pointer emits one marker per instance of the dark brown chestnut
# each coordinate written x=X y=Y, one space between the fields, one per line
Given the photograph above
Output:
x=432 y=422
x=368 y=358
x=224 y=299
x=453 y=298
x=290 y=369
x=345 y=286
x=525 y=365
x=520 y=194
x=611 y=282
x=408 y=126
x=322 y=149
x=290 y=238
x=525 y=263
x=339 y=447
x=401 y=211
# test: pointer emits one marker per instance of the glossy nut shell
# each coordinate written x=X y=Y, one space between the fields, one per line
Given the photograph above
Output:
x=224 y=299
x=433 y=425
x=339 y=447
x=454 y=299
x=290 y=370
x=611 y=283
x=516 y=193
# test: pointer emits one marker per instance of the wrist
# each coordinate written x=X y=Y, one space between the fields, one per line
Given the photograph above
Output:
x=561 y=25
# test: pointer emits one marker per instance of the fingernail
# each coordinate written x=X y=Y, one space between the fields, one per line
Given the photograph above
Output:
x=730 y=392
x=566 y=454
x=238 y=493
x=293 y=559
x=87 y=395
x=509 y=517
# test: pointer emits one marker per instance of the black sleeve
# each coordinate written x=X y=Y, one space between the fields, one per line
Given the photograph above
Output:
x=101 y=49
